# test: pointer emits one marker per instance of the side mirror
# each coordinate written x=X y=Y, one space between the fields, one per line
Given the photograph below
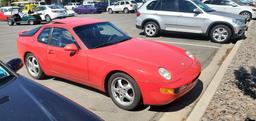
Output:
x=197 y=11
x=234 y=5
x=15 y=64
x=72 y=48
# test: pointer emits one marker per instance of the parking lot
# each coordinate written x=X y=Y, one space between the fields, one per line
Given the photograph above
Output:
x=97 y=102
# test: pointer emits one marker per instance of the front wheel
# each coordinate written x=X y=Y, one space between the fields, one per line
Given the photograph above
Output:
x=126 y=10
x=33 y=67
x=151 y=29
x=110 y=11
x=48 y=19
x=220 y=34
x=124 y=91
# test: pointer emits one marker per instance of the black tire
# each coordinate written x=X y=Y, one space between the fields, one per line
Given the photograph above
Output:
x=223 y=37
x=126 y=10
x=110 y=11
x=151 y=32
x=10 y=22
x=137 y=98
x=48 y=19
x=17 y=23
x=41 y=74
x=31 y=22
x=246 y=14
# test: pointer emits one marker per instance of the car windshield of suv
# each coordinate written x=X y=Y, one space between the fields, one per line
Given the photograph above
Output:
x=203 y=6
x=54 y=7
x=100 y=35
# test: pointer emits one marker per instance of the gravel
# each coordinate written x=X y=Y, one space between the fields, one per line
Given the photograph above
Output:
x=235 y=99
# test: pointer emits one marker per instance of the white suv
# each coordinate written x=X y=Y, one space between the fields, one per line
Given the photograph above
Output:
x=125 y=6
x=72 y=5
x=230 y=6
x=49 y=12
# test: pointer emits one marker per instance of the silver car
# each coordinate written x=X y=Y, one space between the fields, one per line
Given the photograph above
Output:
x=190 y=16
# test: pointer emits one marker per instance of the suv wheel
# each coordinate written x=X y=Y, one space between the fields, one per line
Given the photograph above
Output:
x=220 y=34
x=246 y=14
x=151 y=29
x=124 y=91
x=126 y=10
x=110 y=11
x=48 y=19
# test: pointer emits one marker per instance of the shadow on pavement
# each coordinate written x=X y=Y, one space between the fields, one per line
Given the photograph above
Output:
x=181 y=103
x=246 y=81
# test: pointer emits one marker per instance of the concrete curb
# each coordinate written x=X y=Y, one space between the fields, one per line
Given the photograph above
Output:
x=205 y=99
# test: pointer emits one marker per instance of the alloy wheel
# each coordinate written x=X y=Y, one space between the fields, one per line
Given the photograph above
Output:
x=150 y=29
x=33 y=66
x=220 y=34
x=122 y=91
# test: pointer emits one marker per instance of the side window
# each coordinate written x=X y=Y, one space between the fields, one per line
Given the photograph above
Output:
x=215 y=2
x=167 y=5
x=127 y=3
x=122 y=3
x=61 y=37
x=186 y=6
x=44 y=36
x=151 y=5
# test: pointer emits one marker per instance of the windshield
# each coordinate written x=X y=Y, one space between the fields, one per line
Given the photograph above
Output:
x=54 y=7
x=203 y=6
x=100 y=35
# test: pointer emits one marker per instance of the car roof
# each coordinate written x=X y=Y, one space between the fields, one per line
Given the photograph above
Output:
x=75 y=21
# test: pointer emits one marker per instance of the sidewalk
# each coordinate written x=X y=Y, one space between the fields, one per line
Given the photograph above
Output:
x=235 y=98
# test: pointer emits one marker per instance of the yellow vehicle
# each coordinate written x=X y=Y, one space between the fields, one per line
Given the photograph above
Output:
x=29 y=7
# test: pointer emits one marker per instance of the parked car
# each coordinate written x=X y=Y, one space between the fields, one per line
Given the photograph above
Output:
x=125 y=6
x=50 y=12
x=230 y=6
x=101 y=6
x=85 y=9
x=70 y=12
x=3 y=17
x=10 y=10
x=22 y=18
x=30 y=101
x=72 y=5
x=191 y=16
x=96 y=53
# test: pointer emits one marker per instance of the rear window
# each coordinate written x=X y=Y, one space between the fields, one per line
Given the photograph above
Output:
x=30 y=32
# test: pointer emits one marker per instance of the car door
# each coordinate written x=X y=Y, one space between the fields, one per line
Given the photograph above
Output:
x=216 y=4
x=166 y=13
x=62 y=63
x=40 y=11
x=189 y=21
x=230 y=6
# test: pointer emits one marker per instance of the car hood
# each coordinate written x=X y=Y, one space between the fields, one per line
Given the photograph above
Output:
x=24 y=100
x=224 y=14
x=148 y=52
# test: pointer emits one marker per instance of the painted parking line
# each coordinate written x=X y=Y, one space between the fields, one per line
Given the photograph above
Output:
x=180 y=43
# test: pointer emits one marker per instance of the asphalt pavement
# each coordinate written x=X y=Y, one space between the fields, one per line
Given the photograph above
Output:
x=98 y=102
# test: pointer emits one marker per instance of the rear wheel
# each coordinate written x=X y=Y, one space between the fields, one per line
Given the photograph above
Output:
x=31 y=22
x=110 y=11
x=126 y=10
x=48 y=19
x=151 y=29
x=246 y=14
x=220 y=34
x=33 y=67
x=10 y=23
x=124 y=91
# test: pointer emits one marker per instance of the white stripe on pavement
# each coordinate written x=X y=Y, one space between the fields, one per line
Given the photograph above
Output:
x=198 y=45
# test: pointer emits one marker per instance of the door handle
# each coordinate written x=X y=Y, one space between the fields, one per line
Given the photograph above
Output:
x=50 y=51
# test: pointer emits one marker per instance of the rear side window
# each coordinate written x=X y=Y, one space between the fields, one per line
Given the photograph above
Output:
x=151 y=5
x=30 y=32
x=44 y=36
x=167 y=5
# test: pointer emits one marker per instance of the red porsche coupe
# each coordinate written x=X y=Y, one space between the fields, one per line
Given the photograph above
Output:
x=98 y=54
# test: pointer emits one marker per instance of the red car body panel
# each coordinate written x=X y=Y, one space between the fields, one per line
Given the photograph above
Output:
x=3 y=17
x=140 y=59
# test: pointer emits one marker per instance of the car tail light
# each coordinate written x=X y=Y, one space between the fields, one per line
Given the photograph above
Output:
x=137 y=13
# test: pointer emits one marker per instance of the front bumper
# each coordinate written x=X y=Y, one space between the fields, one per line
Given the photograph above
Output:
x=182 y=85
x=239 y=31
